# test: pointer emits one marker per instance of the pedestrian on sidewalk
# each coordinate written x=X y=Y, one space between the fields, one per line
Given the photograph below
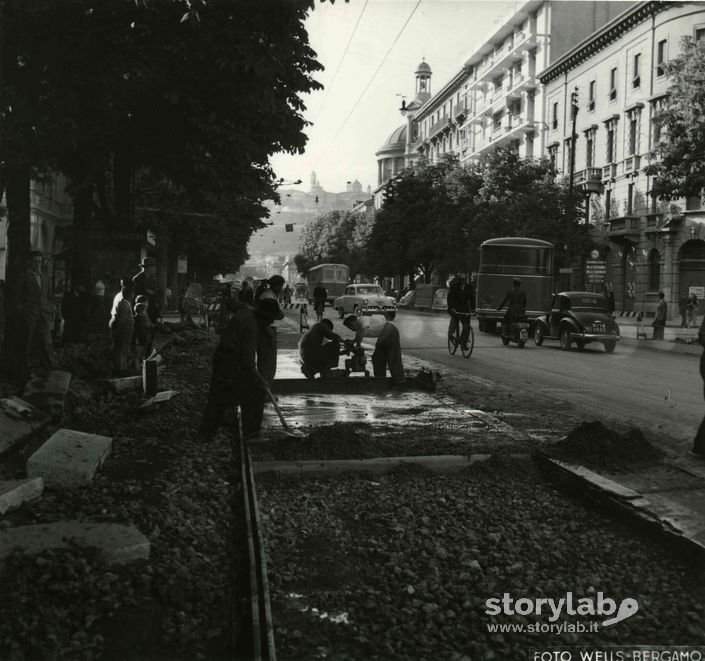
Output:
x=682 y=310
x=659 y=322
x=699 y=442
x=236 y=379
x=387 y=351
x=122 y=327
x=690 y=309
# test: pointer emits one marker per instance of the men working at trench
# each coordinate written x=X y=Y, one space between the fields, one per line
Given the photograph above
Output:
x=387 y=353
x=319 y=349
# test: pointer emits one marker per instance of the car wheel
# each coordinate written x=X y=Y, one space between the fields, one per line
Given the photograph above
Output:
x=609 y=346
x=341 y=313
x=538 y=335
x=390 y=315
x=580 y=344
x=521 y=343
x=565 y=339
x=505 y=341
x=357 y=311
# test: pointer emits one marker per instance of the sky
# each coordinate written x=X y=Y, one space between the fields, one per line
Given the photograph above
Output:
x=370 y=50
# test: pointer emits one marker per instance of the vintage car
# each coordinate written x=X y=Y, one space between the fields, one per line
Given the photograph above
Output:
x=362 y=299
x=578 y=316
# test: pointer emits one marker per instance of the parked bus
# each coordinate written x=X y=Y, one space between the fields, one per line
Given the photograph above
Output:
x=335 y=277
x=502 y=260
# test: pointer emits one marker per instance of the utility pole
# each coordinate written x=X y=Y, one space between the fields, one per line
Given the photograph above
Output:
x=571 y=176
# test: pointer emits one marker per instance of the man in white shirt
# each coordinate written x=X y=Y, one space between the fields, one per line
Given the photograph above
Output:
x=387 y=351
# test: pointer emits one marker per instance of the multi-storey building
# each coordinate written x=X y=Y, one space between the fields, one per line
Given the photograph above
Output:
x=619 y=77
x=495 y=98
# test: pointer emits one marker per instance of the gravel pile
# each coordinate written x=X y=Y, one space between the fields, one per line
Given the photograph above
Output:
x=594 y=445
x=400 y=566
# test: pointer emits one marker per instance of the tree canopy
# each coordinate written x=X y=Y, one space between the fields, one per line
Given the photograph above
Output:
x=678 y=161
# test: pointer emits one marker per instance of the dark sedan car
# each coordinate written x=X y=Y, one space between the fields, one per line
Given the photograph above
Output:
x=578 y=316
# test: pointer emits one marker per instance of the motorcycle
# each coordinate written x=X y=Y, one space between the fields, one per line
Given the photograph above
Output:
x=516 y=331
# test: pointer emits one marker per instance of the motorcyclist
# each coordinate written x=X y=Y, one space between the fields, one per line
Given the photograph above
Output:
x=461 y=301
x=515 y=300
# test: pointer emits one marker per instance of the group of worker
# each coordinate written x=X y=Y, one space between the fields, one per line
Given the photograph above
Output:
x=244 y=362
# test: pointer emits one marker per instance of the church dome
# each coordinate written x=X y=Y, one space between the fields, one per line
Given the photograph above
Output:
x=423 y=67
x=398 y=137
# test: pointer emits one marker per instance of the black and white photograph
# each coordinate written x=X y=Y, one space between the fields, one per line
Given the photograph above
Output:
x=352 y=330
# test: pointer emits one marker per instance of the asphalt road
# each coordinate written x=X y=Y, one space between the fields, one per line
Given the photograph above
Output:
x=658 y=391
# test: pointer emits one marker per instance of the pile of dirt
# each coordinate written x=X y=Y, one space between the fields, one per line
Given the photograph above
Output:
x=594 y=445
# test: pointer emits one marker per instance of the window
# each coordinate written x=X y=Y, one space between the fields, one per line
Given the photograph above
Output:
x=613 y=83
x=553 y=155
x=633 y=135
x=608 y=202
x=699 y=34
x=591 y=95
x=630 y=199
x=661 y=57
x=554 y=120
x=611 y=144
x=589 y=150
x=636 y=78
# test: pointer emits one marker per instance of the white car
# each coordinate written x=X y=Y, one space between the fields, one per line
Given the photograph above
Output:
x=362 y=299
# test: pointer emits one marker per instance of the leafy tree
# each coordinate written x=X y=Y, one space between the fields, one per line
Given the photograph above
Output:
x=680 y=168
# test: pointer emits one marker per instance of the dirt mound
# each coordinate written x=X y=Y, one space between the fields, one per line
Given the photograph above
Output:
x=594 y=445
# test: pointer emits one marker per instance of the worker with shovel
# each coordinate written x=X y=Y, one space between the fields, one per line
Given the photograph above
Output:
x=236 y=379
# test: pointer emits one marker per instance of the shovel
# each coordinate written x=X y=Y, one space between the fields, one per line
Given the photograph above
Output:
x=290 y=431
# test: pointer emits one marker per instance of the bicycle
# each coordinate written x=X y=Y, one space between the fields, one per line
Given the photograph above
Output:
x=454 y=339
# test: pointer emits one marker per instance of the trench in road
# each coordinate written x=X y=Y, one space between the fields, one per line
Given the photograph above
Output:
x=658 y=391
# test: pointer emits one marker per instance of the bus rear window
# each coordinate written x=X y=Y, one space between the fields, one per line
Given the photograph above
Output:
x=516 y=260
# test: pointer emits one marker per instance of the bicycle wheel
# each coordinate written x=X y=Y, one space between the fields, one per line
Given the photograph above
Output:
x=470 y=344
x=453 y=341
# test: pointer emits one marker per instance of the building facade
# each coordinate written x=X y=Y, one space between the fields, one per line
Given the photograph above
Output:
x=618 y=75
x=496 y=97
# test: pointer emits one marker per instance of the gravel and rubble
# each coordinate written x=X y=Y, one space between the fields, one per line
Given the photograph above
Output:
x=400 y=566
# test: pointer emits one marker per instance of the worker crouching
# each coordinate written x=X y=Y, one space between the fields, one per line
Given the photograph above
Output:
x=319 y=349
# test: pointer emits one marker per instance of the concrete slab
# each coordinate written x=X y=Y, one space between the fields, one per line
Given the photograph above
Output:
x=47 y=391
x=19 y=420
x=594 y=479
x=69 y=458
x=14 y=493
x=441 y=463
x=118 y=543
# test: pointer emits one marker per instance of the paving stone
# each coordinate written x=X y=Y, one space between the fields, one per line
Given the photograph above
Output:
x=118 y=543
x=69 y=458
x=18 y=421
x=47 y=391
x=14 y=493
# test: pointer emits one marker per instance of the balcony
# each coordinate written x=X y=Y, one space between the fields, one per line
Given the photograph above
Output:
x=438 y=127
x=589 y=180
x=461 y=111
x=624 y=229
x=501 y=59
x=632 y=163
x=609 y=171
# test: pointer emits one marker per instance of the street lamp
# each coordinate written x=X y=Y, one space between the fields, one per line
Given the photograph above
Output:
x=571 y=174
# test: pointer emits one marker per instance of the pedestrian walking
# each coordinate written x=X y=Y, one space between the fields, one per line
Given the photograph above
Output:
x=246 y=294
x=387 y=353
x=682 y=310
x=691 y=310
x=236 y=379
x=659 y=322
x=122 y=327
x=32 y=303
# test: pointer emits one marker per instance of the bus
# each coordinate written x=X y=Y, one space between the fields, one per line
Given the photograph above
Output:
x=502 y=260
x=334 y=277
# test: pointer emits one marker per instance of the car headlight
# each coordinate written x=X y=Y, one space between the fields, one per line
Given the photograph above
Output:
x=364 y=301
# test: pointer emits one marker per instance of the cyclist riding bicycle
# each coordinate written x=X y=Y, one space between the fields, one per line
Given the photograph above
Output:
x=461 y=302
x=320 y=295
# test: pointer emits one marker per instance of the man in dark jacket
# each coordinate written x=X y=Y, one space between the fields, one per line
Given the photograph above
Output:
x=236 y=379
x=319 y=349
x=461 y=302
x=145 y=284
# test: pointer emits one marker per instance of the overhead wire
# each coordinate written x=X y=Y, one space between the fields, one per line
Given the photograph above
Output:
x=340 y=63
x=374 y=75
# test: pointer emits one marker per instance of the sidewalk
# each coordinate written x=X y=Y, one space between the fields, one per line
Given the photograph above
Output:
x=675 y=338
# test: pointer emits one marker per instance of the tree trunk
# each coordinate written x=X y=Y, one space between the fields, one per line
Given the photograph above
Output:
x=122 y=181
x=19 y=235
x=82 y=214
x=162 y=245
